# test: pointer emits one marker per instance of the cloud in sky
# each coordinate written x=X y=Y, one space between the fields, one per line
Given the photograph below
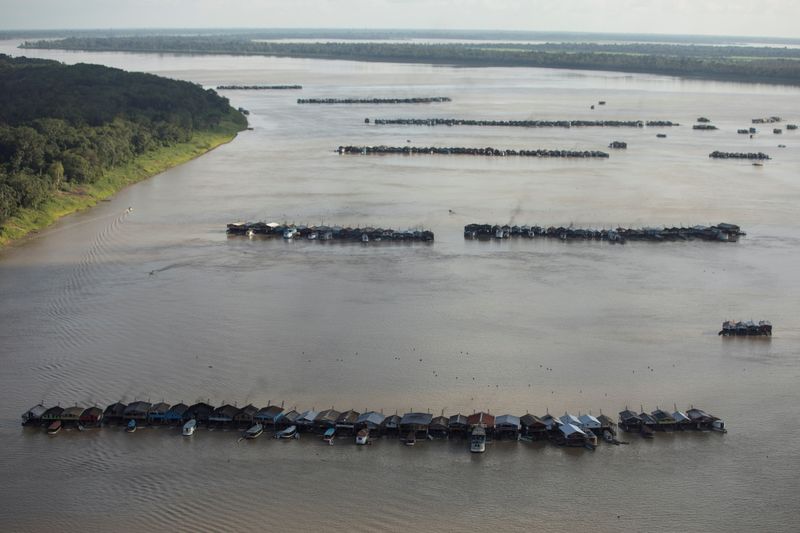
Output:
x=733 y=17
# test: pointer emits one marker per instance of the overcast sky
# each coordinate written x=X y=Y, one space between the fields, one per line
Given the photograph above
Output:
x=774 y=18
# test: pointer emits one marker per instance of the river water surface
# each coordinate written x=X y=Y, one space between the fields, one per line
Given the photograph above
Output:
x=158 y=303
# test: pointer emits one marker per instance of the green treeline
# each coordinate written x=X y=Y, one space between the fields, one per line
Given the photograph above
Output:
x=735 y=63
x=63 y=127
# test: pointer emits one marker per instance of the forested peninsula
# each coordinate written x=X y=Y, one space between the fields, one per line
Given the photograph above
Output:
x=71 y=135
x=759 y=64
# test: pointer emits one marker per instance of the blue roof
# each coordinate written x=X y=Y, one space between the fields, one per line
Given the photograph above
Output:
x=330 y=432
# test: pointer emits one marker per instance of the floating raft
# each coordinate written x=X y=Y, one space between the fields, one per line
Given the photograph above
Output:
x=704 y=127
x=456 y=150
x=738 y=155
x=721 y=232
x=257 y=87
x=421 y=100
x=327 y=233
x=748 y=328
x=522 y=123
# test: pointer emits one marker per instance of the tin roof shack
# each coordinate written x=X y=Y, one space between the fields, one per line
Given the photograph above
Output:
x=346 y=422
x=325 y=420
x=590 y=423
x=551 y=423
x=664 y=420
x=223 y=416
x=33 y=416
x=136 y=411
x=458 y=425
x=507 y=427
x=176 y=414
x=571 y=419
x=158 y=413
x=682 y=421
x=305 y=422
x=481 y=419
x=391 y=424
x=200 y=411
x=268 y=415
x=700 y=419
x=606 y=424
x=114 y=412
x=572 y=436
x=532 y=427
x=372 y=421
x=629 y=421
x=246 y=416
x=71 y=416
x=91 y=417
x=418 y=423
x=439 y=427
x=284 y=419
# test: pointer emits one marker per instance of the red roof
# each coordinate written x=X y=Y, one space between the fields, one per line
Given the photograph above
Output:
x=481 y=418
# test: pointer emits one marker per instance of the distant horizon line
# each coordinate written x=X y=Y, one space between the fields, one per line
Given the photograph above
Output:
x=518 y=33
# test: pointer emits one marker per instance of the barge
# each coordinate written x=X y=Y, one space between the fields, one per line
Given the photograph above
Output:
x=474 y=151
x=328 y=233
x=721 y=232
x=748 y=328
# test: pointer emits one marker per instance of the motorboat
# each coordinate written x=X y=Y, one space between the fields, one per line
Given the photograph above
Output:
x=131 y=427
x=254 y=431
x=189 y=427
x=411 y=439
x=54 y=428
x=362 y=437
x=289 y=233
x=477 y=443
x=288 y=433
x=329 y=435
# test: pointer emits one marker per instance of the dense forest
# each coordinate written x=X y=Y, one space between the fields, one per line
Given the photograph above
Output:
x=762 y=64
x=63 y=126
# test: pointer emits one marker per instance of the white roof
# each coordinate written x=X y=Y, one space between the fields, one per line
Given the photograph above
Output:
x=588 y=421
x=507 y=420
x=569 y=429
x=570 y=419
x=680 y=416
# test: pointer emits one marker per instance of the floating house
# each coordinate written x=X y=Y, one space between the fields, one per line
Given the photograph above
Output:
x=113 y=413
x=284 y=419
x=91 y=417
x=418 y=423
x=682 y=420
x=200 y=412
x=305 y=421
x=481 y=419
x=571 y=419
x=370 y=420
x=346 y=422
x=33 y=416
x=590 y=423
x=572 y=435
x=325 y=420
x=533 y=427
x=507 y=427
x=700 y=419
x=648 y=420
x=664 y=420
x=223 y=415
x=136 y=411
x=52 y=414
x=439 y=427
x=246 y=416
x=391 y=424
x=176 y=414
x=157 y=413
x=458 y=425
x=72 y=415
x=629 y=421
x=267 y=415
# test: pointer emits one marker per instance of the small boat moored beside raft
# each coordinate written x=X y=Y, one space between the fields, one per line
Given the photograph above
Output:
x=189 y=428
x=288 y=433
x=131 y=426
x=749 y=328
x=477 y=443
x=254 y=431
x=362 y=437
x=54 y=428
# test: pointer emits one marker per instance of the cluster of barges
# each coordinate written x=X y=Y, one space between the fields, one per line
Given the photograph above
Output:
x=458 y=150
x=738 y=155
x=257 y=87
x=420 y=100
x=568 y=430
x=766 y=120
x=748 y=328
x=720 y=232
x=327 y=233
x=521 y=123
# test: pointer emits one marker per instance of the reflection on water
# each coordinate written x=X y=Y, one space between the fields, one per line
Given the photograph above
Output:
x=160 y=303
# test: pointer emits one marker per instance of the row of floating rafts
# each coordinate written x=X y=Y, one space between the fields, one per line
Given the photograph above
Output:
x=716 y=154
x=748 y=328
x=568 y=430
x=327 y=233
x=417 y=100
x=721 y=232
x=257 y=87
x=476 y=151
x=521 y=123
x=646 y=424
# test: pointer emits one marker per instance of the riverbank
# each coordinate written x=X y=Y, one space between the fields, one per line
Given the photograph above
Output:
x=78 y=197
